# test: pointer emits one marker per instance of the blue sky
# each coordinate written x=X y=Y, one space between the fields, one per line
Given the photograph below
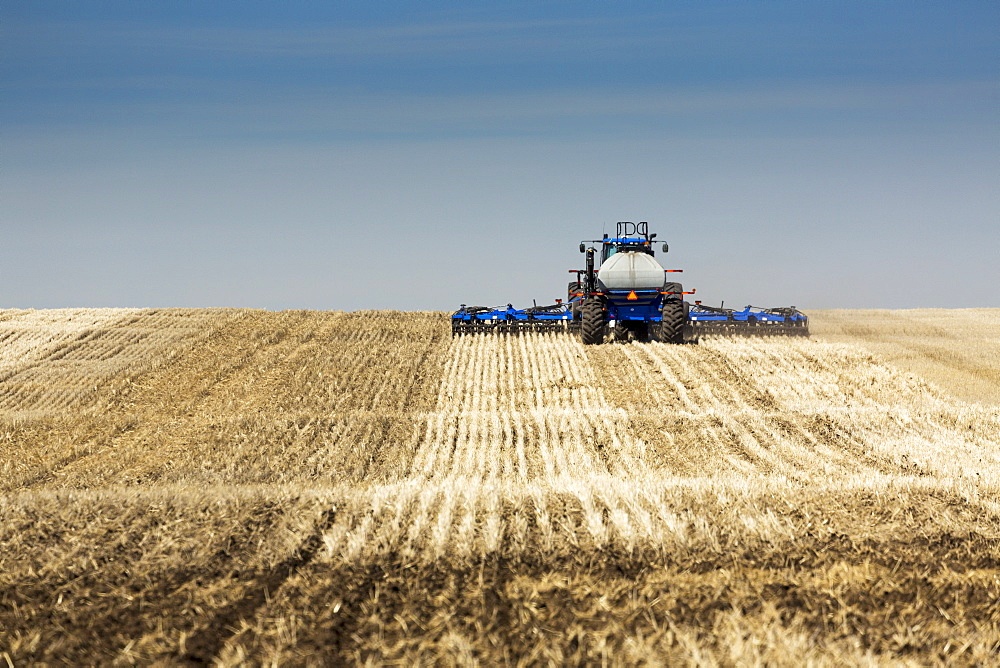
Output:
x=416 y=156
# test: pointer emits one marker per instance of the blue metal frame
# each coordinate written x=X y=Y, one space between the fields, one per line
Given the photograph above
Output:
x=645 y=307
x=626 y=240
x=751 y=314
x=510 y=314
x=509 y=319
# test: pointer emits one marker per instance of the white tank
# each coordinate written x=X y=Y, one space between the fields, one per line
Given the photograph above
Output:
x=631 y=271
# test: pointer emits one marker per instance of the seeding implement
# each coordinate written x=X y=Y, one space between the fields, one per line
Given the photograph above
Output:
x=628 y=297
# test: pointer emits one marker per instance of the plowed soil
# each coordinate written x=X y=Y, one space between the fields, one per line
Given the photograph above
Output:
x=234 y=486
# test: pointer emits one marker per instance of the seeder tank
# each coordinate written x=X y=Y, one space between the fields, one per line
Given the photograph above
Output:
x=631 y=271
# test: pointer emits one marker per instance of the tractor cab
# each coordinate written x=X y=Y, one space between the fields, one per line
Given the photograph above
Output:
x=611 y=246
x=631 y=238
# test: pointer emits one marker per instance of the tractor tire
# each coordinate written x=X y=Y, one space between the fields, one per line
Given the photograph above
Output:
x=594 y=322
x=620 y=333
x=673 y=315
x=575 y=306
x=676 y=289
x=641 y=332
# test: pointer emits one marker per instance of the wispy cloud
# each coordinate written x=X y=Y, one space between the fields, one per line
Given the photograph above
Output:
x=190 y=105
x=447 y=38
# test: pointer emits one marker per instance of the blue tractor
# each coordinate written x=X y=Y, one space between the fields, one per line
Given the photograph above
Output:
x=627 y=297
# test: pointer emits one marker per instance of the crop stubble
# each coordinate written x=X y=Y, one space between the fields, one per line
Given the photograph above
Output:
x=280 y=486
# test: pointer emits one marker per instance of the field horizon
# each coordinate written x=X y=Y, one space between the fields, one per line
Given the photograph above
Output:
x=238 y=486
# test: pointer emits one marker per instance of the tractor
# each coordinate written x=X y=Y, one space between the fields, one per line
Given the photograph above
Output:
x=628 y=297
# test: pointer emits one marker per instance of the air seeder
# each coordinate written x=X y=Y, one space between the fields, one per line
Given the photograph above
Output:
x=629 y=297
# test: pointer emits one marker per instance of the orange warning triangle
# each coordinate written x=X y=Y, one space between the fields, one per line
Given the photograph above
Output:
x=632 y=295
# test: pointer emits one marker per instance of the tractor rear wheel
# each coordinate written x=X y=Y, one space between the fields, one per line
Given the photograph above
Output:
x=675 y=290
x=673 y=315
x=594 y=322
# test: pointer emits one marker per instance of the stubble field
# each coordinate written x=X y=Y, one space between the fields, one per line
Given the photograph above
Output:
x=237 y=486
